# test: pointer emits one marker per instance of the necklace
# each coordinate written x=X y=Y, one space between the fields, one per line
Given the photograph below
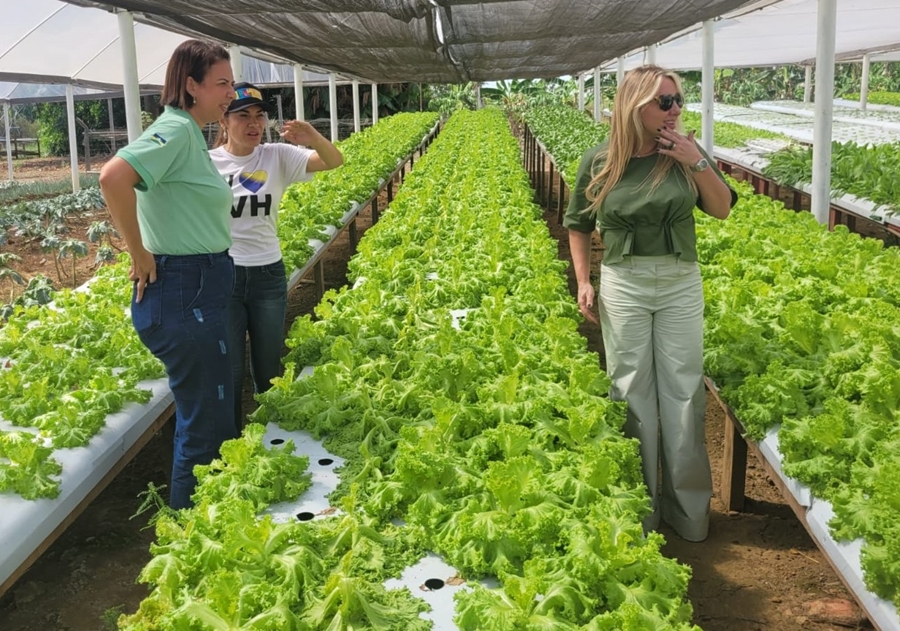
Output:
x=644 y=155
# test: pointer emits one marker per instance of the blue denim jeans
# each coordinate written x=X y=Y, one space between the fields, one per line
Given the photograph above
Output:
x=183 y=320
x=258 y=306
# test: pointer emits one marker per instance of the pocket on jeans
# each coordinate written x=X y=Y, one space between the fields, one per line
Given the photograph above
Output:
x=192 y=280
x=275 y=270
x=146 y=315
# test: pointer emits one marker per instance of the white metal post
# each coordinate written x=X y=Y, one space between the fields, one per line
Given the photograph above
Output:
x=9 y=163
x=332 y=105
x=598 y=95
x=581 y=93
x=807 y=85
x=73 y=141
x=130 y=85
x=707 y=85
x=299 y=110
x=279 y=109
x=237 y=63
x=620 y=71
x=356 y=106
x=112 y=124
x=478 y=103
x=864 y=84
x=374 y=103
x=824 y=108
x=651 y=54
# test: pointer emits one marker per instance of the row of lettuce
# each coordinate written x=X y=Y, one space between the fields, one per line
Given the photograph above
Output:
x=868 y=172
x=474 y=423
x=370 y=157
x=569 y=132
x=66 y=369
x=802 y=335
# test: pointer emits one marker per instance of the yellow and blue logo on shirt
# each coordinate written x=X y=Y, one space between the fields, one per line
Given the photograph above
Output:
x=158 y=139
x=253 y=181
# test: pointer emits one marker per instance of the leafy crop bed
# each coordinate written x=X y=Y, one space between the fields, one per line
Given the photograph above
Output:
x=491 y=441
x=801 y=333
x=866 y=172
x=64 y=370
x=370 y=156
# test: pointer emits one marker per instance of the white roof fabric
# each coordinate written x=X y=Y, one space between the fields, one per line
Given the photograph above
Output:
x=47 y=44
x=432 y=41
x=24 y=93
x=47 y=41
x=782 y=33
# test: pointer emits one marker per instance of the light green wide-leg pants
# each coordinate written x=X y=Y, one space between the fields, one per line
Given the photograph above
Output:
x=651 y=313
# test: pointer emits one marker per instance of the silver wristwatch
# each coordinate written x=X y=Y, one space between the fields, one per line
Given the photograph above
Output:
x=701 y=165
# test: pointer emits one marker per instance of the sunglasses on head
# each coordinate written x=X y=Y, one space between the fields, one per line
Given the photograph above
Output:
x=666 y=101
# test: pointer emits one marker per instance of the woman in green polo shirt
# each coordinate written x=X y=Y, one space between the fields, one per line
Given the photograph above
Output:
x=639 y=190
x=173 y=209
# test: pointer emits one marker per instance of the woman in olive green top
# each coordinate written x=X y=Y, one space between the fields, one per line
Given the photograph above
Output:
x=174 y=210
x=639 y=191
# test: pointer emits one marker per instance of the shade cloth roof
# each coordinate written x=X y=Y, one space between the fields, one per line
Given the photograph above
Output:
x=434 y=41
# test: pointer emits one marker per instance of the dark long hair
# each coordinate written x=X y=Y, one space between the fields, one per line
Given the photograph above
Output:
x=193 y=58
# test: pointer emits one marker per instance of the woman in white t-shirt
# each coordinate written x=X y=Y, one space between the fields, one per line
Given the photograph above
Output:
x=258 y=175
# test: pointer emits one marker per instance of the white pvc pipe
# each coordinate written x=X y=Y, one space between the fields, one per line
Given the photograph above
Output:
x=581 y=93
x=824 y=109
x=356 y=106
x=598 y=95
x=478 y=104
x=374 y=103
x=9 y=163
x=707 y=86
x=807 y=85
x=620 y=71
x=130 y=85
x=279 y=108
x=864 y=84
x=237 y=63
x=73 y=141
x=332 y=105
x=299 y=110
x=651 y=54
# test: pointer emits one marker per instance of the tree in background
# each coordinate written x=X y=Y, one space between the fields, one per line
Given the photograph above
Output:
x=448 y=98
x=392 y=98
x=742 y=86
x=53 y=130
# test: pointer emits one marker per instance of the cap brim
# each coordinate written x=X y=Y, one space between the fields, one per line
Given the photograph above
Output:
x=265 y=107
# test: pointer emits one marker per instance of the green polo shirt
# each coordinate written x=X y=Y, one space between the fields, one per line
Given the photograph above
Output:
x=183 y=204
x=635 y=220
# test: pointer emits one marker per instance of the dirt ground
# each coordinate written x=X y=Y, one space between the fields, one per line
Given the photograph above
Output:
x=758 y=570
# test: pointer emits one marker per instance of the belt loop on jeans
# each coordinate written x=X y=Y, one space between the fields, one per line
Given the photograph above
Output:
x=162 y=260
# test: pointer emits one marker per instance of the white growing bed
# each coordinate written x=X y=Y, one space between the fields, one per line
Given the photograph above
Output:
x=844 y=555
x=26 y=525
x=799 y=127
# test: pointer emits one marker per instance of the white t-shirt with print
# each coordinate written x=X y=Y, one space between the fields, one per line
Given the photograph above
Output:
x=258 y=182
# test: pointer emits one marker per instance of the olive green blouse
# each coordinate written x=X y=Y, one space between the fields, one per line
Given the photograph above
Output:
x=636 y=220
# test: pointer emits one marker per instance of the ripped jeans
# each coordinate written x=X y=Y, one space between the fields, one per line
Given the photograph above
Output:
x=183 y=320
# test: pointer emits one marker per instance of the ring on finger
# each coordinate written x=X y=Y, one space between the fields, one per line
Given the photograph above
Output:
x=671 y=145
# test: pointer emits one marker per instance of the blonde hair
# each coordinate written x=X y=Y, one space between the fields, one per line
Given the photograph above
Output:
x=627 y=135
